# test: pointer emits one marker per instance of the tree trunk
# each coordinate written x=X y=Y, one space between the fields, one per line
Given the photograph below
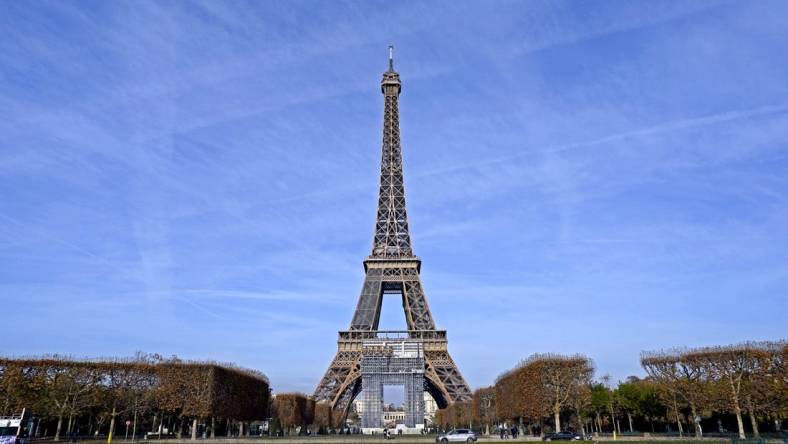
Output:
x=70 y=427
x=629 y=417
x=213 y=427
x=194 y=429
x=753 y=420
x=678 y=416
x=739 y=421
x=134 y=427
x=59 y=426
x=696 y=421
x=678 y=424
x=557 y=416
x=737 y=408
x=111 y=425
x=754 y=424
x=613 y=420
x=229 y=425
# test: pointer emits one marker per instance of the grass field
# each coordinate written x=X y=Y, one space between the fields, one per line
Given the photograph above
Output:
x=337 y=439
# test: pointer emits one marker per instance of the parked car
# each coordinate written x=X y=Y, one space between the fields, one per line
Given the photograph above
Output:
x=562 y=436
x=457 y=435
x=12 y=428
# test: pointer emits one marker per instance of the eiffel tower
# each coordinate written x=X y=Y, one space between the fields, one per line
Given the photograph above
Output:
x=391 y=268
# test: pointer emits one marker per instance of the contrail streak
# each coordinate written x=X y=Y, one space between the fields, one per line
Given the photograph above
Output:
x=667 y=127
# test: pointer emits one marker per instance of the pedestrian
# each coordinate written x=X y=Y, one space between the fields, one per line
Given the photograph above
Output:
x=501 y=430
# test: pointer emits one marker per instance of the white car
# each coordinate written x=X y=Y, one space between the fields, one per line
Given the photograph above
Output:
x=457 y=435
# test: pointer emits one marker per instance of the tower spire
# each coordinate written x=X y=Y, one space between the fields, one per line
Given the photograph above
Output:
x=392 y=238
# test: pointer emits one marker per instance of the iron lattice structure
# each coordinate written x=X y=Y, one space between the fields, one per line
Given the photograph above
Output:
x=391 y=268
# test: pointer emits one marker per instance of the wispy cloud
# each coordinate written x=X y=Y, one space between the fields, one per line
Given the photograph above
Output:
x=208 y=171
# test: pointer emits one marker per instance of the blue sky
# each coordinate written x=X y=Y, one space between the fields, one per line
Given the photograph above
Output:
x=199 y=179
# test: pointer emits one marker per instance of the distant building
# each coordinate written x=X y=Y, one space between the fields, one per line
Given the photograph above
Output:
x=397 y=414
x=393 y=417
x=430 y=407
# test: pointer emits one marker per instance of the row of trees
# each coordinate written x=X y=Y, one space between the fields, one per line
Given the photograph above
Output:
x=89 y=396
x=545 y=391
x=542 y=386
x=682 y=387
x=93 y=395
x=748 y=378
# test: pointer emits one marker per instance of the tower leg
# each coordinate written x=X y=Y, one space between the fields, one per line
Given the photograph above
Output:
x=446 y=377
x=341 y=382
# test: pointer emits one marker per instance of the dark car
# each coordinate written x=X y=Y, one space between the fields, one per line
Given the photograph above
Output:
x=562 y=436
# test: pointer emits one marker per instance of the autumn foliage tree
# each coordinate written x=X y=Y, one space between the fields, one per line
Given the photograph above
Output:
x=685 y=379
x=456 y=414
x=543 y=386
x=483 y=406
x=292 y=410
x=323 y=416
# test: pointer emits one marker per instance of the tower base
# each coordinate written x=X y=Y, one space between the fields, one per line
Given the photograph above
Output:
x=434 y=372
